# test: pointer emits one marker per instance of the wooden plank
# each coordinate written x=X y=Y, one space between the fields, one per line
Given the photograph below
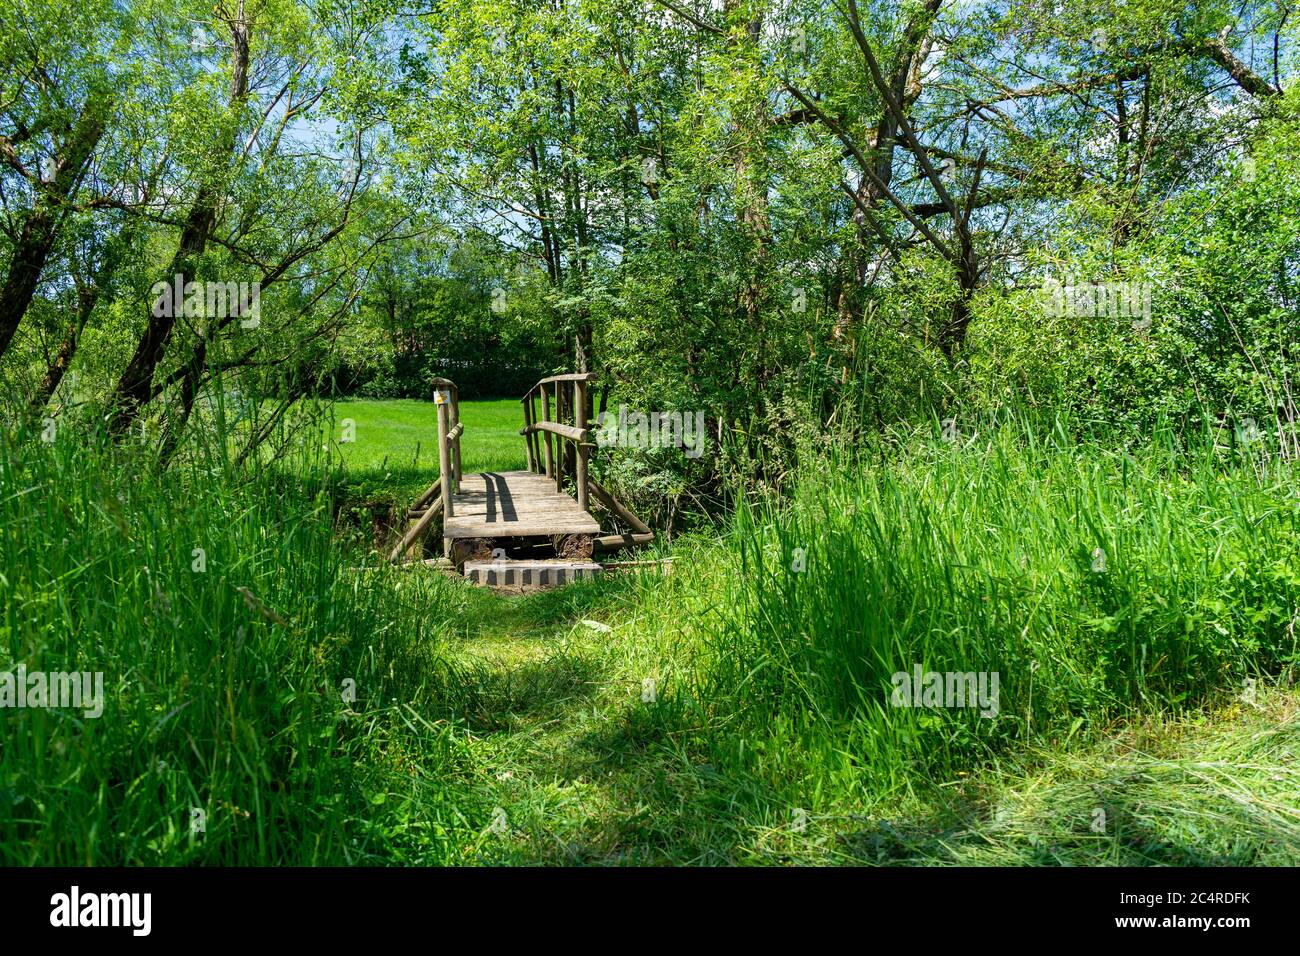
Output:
x=525 y=480
x=526 y=526
x=526 y=484
x=539 y=485
x=520 y=478
x=541 y=527
x=512 y=491
x=507 y=484
x=520 y=484
x=516 y=507
x=514 y=504
x=506 y=516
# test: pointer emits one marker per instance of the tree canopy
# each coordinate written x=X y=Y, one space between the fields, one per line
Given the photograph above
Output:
x=858 y=212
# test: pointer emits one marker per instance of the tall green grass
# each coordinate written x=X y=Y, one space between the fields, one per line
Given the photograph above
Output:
x=773 y=683
x=227 y=674
x=984 y=555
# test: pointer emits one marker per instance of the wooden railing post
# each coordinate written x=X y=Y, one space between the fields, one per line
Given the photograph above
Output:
x=537 y=438
x=570 y=418
x=444 y=449
x=560 y=447
x=528 y=431
x=546 y=417
x=580 y=421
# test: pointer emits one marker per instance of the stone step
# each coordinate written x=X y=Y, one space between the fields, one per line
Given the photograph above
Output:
x=538 y=574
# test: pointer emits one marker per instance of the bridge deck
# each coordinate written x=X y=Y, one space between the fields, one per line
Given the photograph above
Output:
x=514 y=504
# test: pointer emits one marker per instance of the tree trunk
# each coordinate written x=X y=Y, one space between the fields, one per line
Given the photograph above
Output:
x=41 y=227
x=86 y=299
x=135 y=386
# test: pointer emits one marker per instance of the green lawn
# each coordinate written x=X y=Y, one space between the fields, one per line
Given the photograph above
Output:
x=397 y=433
x=395 y=442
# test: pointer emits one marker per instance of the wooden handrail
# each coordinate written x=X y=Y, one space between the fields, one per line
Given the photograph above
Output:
x=564 y=431
x=573 y=445
x=553 y=379
x=570 y=425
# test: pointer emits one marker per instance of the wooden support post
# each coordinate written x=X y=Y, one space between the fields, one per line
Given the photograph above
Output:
x=546 y=436
x=613 y=542
x=528 y=433
x=417 y=530
x=537 y=439
x=570 y=416
x=580 y=412
x=561 y=447
x=444 y=451
x=617 y=508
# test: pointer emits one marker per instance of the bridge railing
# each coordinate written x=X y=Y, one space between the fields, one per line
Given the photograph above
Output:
x=447 y=398
x=438 y=496
x=558 y=435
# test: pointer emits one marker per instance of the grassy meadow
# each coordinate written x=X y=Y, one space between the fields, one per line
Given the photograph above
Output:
x=391 y=435
x=267 y=701
x=392 y=453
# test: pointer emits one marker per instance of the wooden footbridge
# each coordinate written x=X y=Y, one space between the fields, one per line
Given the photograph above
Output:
x=529 y=528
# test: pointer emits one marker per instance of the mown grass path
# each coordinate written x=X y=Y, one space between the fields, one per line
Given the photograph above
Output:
x=585 y=770
x=578 y=759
